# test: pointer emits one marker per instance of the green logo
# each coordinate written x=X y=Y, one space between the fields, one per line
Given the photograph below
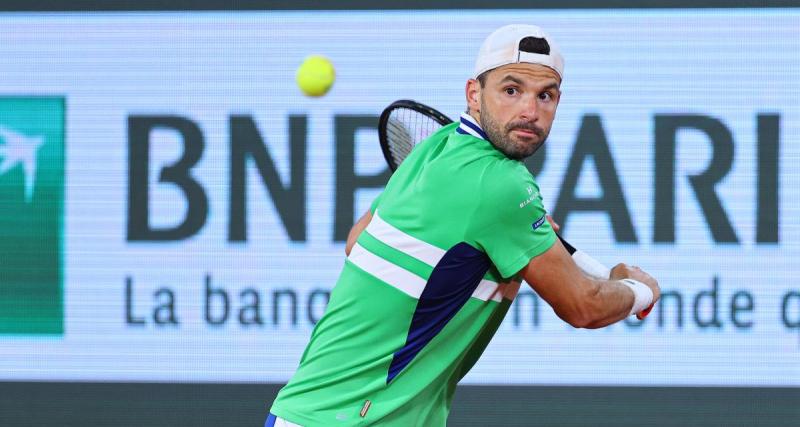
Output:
x=32 y=138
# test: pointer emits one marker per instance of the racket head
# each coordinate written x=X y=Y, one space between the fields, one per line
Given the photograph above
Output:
x=402 y=125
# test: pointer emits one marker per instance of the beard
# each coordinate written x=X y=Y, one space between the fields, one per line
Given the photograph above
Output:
x=501 y=138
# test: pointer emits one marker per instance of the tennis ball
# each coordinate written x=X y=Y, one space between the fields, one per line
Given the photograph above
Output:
x=315 y=75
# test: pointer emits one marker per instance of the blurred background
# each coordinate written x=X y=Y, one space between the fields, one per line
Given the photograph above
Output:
x=173 y=208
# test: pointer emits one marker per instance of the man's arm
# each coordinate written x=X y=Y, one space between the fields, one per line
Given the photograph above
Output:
x=358 y=227
x=579 y=300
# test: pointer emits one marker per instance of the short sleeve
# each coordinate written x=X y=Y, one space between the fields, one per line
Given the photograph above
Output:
x=510 y=224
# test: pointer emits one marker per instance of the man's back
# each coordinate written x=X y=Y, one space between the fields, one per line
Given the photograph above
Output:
x=419 y=296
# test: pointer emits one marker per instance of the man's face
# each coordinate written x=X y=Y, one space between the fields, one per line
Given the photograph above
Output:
x=516 y=106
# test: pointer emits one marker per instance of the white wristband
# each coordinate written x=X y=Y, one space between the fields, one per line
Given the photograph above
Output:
x=642 y=293
x=590 y=265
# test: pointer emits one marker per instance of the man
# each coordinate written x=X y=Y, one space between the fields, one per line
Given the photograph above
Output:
x=434 y=265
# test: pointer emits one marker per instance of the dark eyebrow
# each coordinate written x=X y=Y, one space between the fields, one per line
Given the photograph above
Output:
x=509 y=77
x=553 y=85
x=512 y=79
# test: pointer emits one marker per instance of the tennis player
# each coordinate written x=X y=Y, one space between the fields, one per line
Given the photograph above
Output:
x=433 y=266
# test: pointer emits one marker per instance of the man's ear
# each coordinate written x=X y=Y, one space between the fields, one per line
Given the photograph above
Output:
x=473 y=94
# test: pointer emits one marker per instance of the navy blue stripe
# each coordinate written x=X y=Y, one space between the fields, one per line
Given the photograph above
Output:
x=476 y=128
x=453 y=281
x=459 y=130
x=270 y=420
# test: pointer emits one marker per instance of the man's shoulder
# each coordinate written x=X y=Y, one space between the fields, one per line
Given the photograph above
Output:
x=507 y=184
x=443 y=133
x=505 y=173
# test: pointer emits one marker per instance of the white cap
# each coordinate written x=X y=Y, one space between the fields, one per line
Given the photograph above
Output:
x=502 y=48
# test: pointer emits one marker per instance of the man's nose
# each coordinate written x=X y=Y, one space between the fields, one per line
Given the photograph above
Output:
x=530 y=109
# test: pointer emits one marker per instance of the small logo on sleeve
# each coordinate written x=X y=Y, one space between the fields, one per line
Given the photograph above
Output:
x=532 y=195
x=538 y=222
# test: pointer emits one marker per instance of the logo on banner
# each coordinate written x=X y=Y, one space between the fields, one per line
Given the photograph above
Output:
x=32 y=145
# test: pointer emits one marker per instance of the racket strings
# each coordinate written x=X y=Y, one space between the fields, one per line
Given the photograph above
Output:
x=405 y=129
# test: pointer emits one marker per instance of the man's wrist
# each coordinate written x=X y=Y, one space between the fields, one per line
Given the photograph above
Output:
x=643 y=295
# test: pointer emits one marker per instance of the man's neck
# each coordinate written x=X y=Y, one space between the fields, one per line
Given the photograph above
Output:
x=477 y=116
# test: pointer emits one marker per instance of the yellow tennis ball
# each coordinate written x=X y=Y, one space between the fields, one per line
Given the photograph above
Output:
x=315 y=75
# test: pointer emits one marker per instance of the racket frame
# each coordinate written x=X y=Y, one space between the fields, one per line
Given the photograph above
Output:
x=408 y=104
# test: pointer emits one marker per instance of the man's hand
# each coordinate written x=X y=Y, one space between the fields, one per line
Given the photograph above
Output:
x=553 y=224
x=623 y=271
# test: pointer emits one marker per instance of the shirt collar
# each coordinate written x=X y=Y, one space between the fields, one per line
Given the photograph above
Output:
x=469 y=126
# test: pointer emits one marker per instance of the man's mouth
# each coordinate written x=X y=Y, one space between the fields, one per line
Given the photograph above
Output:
x=525 y=132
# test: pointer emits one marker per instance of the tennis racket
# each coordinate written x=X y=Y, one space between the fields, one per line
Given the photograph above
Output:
x=405 y=123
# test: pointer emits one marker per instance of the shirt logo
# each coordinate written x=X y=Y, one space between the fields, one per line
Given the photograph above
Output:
x=532 y=195
x=538 y=222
